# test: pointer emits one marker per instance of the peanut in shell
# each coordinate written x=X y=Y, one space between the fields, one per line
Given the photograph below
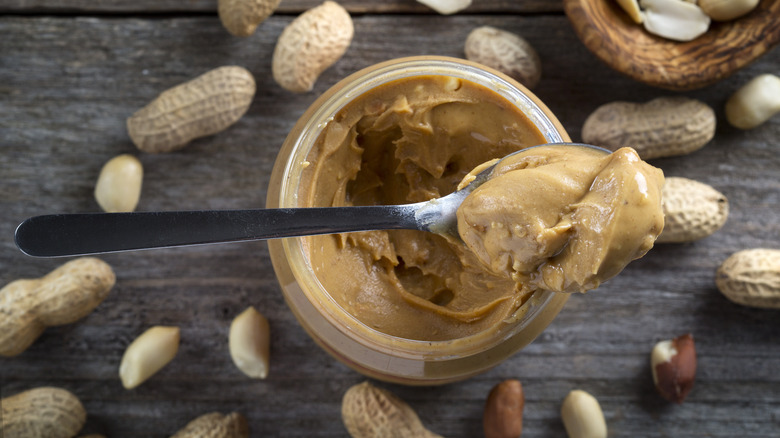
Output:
x=751 y=277
x=662 y=127
x=692 y=210
x=203 y=106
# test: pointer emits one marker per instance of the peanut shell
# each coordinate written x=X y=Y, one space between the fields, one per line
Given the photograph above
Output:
x=203 y=106
x=310 y=44
x=505 y=52
x=215 y=425
x=241 y=17
x=751 y=278
x=63 y=296
x=368 y=411
x=692 y=210
x=662 y=127
x=42 y=412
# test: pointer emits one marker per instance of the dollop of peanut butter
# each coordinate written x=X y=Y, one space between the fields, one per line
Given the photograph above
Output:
x=563 y=218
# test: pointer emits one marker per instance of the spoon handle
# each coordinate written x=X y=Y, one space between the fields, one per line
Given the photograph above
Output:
x=90 y=233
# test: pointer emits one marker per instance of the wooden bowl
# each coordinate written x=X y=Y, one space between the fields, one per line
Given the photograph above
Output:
x=607 y=31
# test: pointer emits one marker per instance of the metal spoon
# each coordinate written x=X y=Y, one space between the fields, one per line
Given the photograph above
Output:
x=60 y=235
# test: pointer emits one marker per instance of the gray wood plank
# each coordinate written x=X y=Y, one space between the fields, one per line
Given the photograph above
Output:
x=66 y=88
x=285 y=7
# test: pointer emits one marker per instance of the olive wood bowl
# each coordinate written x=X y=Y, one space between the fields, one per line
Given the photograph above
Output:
x=607 y=31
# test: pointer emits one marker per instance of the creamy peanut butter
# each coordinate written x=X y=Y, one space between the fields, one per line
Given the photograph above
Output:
x=563 y=218
x=413 y=140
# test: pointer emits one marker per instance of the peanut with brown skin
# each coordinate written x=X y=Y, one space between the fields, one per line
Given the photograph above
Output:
x=45 y=412
x=371 y=412
x=63 y=296
x=203 y=106
x=662 y=127
x=503 y=417
x=673 y=365
x=215 y=425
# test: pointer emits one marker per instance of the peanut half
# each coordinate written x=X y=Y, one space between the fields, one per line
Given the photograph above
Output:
x=503 y=416
x=215 y=425
x=725 y=10
x=118 y=187
x=674 y=19
x=45 y=412
x=446 y=7
x=692 y=210
x=371 y=412
x=505 y=52
x=755 y=102
x=250 y=343
x=582 y=416
x=662 y=127
x=310 y=44
x=241 y=17
x=63 y=296
x=147 y=354
x=751 y=277
x=632 y=9
x=203 y=106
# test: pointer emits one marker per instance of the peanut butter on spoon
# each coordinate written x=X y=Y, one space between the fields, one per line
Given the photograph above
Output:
x=563 y=218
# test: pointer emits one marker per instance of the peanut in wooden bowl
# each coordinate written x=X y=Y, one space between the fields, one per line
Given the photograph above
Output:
x=607 y=31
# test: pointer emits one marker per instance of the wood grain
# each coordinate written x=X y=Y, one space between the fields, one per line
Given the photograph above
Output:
x=625 y=46
x=67 y=84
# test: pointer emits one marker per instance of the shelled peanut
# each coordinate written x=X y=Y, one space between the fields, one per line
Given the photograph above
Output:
x=148 y=354
x=249 y=343
x=503 y=414
x=118 y=187
x=582 y=416
x=62 y=296
x=673 y=365
x=684 y=20
x=755 y=102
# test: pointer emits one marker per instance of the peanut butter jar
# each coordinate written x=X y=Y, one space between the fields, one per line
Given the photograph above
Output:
x=406 y=306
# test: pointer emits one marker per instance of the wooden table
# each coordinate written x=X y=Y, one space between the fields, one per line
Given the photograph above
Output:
x=72 y=71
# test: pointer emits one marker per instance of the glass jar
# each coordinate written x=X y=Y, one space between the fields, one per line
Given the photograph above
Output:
x=368 y=351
